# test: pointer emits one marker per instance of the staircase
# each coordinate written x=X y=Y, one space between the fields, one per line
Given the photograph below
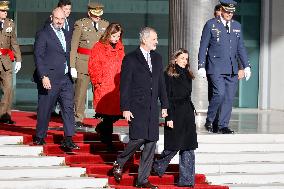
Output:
x=23 y=166
x=240 y=161
x=89 y=167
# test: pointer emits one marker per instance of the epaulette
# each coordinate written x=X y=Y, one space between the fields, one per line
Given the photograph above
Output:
x=9 y=19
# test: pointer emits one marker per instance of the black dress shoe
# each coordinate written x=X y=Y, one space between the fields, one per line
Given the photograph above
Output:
x=215 y=128
x=69 y=144
x=7 y=121
x=6 y=118
x=185 y=185
x=39 y=141
x=117 y=171
x=79 y=124
x=54 y=114
x=208 y=127
x=146 y=185
x=226 y=130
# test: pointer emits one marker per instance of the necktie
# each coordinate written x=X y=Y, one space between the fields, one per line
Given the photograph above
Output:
x=95 y=26
x=61 y=38
x=149 y=61
x=66 y=26
x=227 y=27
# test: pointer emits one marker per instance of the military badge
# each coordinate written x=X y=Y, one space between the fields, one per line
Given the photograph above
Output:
x=9 y=29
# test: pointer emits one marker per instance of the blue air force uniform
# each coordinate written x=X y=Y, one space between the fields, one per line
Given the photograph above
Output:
x=219 y=52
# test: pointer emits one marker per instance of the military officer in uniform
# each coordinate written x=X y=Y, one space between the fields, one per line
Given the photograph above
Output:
x=9 y=52
x=87 y=31
x=220 y=48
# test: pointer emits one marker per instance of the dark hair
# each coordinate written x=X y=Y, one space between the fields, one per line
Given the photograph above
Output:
x=111 y=29
x=217 y=8
x=63 y=3
x=171 y=68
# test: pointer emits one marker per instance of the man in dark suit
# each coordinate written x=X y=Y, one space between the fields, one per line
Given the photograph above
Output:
x=220 y=48
x=141 y=85
x=68 y=26
x=54 y=82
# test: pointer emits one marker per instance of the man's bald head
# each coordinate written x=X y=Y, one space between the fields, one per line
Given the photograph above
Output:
x=58 y=18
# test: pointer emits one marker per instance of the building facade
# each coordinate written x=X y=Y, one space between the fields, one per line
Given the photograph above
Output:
x=179 y=24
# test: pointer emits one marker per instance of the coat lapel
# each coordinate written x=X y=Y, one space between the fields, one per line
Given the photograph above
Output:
x=143 y=61
x=55 y=38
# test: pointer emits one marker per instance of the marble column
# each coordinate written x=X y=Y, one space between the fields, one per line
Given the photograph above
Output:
x=187 y=18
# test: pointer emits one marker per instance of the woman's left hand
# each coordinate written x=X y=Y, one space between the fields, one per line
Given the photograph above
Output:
x=170 y=124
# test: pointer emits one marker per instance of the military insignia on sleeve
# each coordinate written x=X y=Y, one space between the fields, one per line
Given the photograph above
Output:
x=9 y=29
x=237 y=31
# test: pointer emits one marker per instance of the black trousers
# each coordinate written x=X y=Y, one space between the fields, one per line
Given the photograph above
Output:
x=146 y=159
x=186 y=165
x=105 y=127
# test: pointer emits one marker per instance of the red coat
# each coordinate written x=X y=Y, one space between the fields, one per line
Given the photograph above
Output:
x=104 y=70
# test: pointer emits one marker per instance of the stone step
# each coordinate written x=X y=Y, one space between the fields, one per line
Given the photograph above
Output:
x=252 y=168
x=70 y=183
x=240 y=138
x=41 y=172
x=257 y=186
x=10 y=140
x=232 y=148
x=227 y=139
x=30 y=161
x=243 y=178
x=238 y=157
x=20 y=150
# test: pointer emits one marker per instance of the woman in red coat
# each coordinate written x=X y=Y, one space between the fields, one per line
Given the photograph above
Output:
x=104 y=70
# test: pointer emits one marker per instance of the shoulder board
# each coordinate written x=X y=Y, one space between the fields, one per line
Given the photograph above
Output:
x=9 y=20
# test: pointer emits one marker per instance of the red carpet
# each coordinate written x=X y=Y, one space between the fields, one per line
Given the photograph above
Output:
x=92 y=155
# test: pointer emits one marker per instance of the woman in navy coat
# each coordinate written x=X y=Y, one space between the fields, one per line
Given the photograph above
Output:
x=180 y=129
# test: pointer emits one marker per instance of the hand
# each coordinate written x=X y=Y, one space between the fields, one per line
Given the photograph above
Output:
x=18 y=66
x=127 y=115
x=74 y=73
x=164 y=113
x=202 y=72
x=46 y=82
x=247 y=73
x=241 y=74
x=170 y=124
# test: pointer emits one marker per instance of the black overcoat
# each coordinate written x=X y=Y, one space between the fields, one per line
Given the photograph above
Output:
x=140 y=90
x=181 y=111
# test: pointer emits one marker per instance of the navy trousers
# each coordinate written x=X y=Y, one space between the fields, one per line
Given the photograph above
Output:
x=146 y=160
x=186 y=165
x=62 y=92
x=210 y=94
x=223 y=92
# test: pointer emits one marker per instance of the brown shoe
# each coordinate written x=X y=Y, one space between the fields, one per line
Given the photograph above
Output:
x=146 y=185
x=117 y=172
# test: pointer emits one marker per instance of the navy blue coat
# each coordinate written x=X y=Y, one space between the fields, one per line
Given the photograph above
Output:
x=139 y=93
x=50 y=56
x=219 y=51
